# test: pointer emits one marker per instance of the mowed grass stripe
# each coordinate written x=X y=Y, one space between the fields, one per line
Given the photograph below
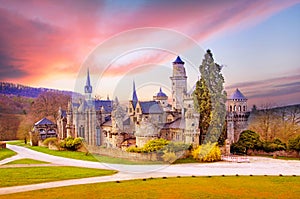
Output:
x=26 y=161
x=33 y=175
x=184 y=187
x=6 y=153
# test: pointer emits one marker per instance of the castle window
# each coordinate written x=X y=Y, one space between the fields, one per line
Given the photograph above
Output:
x=137 y=110
x=230 y=108
x=130 y=110
x=234 y=108
x=244 y=108
x=240 y=108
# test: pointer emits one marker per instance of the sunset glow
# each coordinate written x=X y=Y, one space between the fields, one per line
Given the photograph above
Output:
x=44 y=43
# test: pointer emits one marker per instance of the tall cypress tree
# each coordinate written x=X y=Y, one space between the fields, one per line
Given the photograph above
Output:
x=202 y=103
x=210 y=99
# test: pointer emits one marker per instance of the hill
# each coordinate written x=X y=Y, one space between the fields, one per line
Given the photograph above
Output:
x=26 y=91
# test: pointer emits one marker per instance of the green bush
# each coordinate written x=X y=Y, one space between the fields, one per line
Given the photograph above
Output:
x=209 y=152
x=155 y=145
x=276 y=145
x=48 y=140
x=169 y=157
x=294 y=143
x=71 y=144
x=248 y=140
x=177 y=146
x=150 y=146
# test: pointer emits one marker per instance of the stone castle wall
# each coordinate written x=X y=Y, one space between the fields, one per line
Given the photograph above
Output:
x=118 y=153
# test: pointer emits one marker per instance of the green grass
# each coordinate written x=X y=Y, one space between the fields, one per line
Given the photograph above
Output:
x=184 y=187
x=185 y=160
x=81 y=155
x=6 y=153
x=33 y=175
x=27 y=161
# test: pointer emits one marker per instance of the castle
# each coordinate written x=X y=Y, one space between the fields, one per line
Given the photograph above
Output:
x=106 y=123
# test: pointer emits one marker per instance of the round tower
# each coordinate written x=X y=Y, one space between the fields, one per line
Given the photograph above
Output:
x=179 y=84
x=237 y=115
x=162 y=98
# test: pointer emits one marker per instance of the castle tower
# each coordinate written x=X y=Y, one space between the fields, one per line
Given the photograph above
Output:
x=132 y=105
x=162 y=98
x=179 y=84
x=237 y=115
x=134 y=96
x=69 y=121
x=88 y=89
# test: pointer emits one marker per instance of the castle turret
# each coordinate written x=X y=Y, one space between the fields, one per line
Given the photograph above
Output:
x=179 y=84
x=88 y=89
x=237 y=115
x=162 y=98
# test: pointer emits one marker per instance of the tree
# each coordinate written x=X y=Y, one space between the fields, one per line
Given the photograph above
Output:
x=294 y=143
x=47 y=105
x=203 y=105
x=248 y=140
x=210 y=99
x=271 y=123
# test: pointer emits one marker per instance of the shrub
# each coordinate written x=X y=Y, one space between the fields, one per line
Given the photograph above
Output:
x=134 y=149
x=177 y=146
x=294 y=143
x=155 y=145
x=48 y=140
x=248 y=140
x=209 y=152
x=276 y=145
x=150 y=146
x=71 y=144
x=169 y=157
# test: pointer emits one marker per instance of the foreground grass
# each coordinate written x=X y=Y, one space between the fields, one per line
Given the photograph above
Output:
x=26 y=161
x=33 y=175
x=80 y=155
x=6 y=153
x=184 y=187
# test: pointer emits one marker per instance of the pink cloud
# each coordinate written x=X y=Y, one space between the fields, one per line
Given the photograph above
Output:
x=45 y=38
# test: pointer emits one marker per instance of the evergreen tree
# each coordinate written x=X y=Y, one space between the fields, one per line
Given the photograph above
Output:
x=210 y=86
x=202 y=103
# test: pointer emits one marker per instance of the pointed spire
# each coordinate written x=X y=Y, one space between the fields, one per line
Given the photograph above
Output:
x=178 y=61
x=134 y=96
x=88 y=87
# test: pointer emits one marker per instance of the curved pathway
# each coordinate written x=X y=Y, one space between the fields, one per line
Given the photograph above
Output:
x=257 y=166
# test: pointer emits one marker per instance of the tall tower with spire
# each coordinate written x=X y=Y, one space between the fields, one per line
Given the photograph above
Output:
x=88 y=88
x=179 y=84
x=134 y=96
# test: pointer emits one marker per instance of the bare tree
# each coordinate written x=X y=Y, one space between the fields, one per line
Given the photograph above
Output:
x=47 y=105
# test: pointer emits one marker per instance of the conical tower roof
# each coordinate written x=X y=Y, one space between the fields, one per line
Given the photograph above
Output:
x=134 y=96
x=178 y=61
x=237 y=95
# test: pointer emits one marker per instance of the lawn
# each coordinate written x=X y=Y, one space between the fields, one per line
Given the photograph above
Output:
x=184 y=187
x=80 y=155
x=6 y=153
x=33 y=175
x=26 y=161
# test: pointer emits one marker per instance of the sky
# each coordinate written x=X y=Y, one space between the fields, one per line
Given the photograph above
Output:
x=51 y=43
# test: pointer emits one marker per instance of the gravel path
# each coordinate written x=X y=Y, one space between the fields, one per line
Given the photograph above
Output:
x=257 y=166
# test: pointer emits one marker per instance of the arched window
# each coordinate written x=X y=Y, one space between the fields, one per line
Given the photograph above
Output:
x=230 y=108
x=240 y=108
x=244 y=108
x=234 y=108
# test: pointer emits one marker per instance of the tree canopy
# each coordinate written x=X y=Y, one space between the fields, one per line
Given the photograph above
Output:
x=210 y=99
